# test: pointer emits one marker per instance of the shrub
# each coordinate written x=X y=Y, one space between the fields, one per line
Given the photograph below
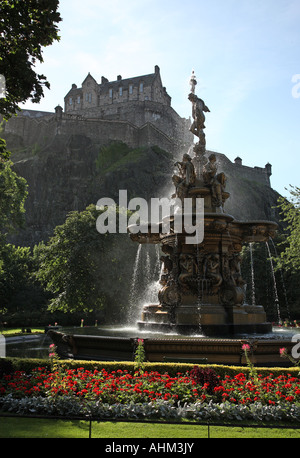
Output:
x=205 y=376
x=6 y=367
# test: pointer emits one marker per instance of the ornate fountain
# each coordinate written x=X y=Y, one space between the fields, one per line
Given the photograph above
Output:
x=202 y=288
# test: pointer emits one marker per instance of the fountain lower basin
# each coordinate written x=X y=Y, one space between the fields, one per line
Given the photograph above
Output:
x=120 y=344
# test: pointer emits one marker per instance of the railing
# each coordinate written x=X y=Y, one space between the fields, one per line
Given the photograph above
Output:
x=208 y=424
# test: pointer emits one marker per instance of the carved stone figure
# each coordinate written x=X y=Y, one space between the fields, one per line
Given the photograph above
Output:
x=235 y=270
x=198 y=109
x=167 y=266
x=181 y=189
x=186 y=176
x=169 y=295
x=188 y=269
x=167 y=263
x=213 y=269
x=215 y=182
x=187 y=170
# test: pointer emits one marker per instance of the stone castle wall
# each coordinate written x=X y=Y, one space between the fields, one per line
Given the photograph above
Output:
x=30 y=131
x=34 y=130
x=259 y=174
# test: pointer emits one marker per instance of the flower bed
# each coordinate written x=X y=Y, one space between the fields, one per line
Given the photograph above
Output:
x=199 y=385
x=199 y=393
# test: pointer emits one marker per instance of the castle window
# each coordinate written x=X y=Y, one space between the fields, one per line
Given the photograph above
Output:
x=130 y=88
x=110 y=92
x=141 y=87
x=120 y=91
x=78 y=99
x=88 y=97
x=70 y=101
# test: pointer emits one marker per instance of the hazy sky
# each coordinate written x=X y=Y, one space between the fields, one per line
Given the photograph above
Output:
x=245 y=53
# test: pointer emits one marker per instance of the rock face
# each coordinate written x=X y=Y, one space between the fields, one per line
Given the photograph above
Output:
x=75 y=170
x=65 y=177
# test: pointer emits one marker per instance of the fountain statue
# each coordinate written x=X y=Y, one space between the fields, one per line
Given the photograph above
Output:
x=201 y=283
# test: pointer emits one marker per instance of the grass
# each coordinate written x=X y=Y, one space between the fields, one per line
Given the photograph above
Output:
x=52 y=428
x=10 y=332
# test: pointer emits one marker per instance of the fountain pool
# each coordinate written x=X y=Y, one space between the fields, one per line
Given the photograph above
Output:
x=118 y=343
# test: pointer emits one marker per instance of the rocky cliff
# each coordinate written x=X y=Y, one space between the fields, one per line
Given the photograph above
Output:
x=73 y=171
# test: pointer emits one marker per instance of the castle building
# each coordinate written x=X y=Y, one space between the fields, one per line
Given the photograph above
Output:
x=98 y=98
x=140 y=101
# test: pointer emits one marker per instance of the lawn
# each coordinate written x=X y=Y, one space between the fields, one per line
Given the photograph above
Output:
x=10 y=332
x=51 y=428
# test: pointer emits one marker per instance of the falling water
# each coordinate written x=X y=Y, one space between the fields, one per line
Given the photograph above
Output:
x=152 y=285
x=158 y=265
x=274 y=283
x=145 y=281
x=200 y=290
x=132 y=296
x=283 y=284
x=252 y=274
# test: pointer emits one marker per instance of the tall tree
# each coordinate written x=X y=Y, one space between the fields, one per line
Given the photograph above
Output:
x=13 y=193
x=84 y=270
x=290 y=210
x=26 y=26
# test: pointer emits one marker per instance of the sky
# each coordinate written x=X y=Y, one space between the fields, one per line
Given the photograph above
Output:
x=245 y=55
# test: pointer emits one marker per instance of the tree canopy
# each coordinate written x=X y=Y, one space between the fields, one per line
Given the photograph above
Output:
x=25 y=28
x=290 y=210
x=85 y=270
x=13 y=193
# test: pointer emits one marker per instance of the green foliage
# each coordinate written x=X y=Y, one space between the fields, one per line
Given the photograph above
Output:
x=28 y=364
x=119 y=155
x=140 y=356
x=13 y=193
x=290 y=210
x=287 y=283
x=20 y=294
x=110 y=154
x=85 y=270
x=4 y=153
x=25 y=28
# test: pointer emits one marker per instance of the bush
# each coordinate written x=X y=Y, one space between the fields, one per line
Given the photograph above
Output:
x=205 y=376
x=6 y=367
x=28 y=364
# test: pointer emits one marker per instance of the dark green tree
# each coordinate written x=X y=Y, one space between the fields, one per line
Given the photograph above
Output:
x=22 y=300
x=13 y=193
x=26 y=26
x=289 y=258
x=278 y=290
x=84 y=270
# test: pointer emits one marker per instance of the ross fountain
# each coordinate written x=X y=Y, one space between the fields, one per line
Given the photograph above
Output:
x=201 y=314
x=201 y=283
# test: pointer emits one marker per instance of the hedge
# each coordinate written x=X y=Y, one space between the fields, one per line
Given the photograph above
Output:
x=28 y=364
